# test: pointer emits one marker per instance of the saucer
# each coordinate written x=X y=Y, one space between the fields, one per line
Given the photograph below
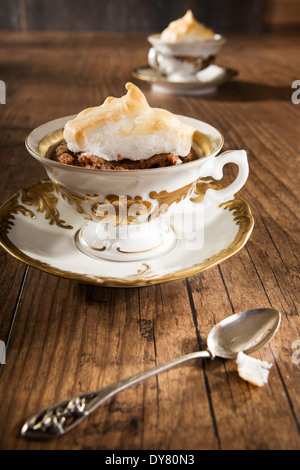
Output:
x=206 y=81
x=37 y=229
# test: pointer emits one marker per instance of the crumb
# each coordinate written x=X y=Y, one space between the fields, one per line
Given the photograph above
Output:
x=253 y=370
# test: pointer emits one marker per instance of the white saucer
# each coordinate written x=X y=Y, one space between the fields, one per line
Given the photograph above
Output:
x=206 y=82
x=37 y=229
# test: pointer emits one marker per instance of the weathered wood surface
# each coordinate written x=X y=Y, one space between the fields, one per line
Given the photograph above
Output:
x=133 y=15
x=68 y=337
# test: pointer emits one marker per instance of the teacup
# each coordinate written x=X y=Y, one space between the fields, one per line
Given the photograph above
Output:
x=123 y=212
x=183 y=59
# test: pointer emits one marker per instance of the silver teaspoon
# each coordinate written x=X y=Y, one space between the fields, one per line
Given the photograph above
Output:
x=246 y=331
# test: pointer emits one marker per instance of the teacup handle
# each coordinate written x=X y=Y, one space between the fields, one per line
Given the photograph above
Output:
x=214 y=168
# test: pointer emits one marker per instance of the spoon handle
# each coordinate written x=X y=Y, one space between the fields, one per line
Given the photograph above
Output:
x=60 y=418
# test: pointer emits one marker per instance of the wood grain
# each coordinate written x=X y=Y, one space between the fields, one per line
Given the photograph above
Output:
x=10 y=15
x=67 y=337
x=128 y=15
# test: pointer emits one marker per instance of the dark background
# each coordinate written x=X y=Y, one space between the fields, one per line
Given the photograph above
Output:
x=148 y=15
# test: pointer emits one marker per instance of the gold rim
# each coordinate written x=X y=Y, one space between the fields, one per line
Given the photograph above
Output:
x=242 y=216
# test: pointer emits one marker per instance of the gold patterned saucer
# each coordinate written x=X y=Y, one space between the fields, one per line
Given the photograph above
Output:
x=207 y=82
x=37 y=229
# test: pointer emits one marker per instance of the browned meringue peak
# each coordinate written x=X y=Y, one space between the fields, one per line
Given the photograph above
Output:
x=128 y=127
x=186 y=28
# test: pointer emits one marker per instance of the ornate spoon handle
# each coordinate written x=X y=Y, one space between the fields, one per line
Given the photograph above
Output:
x=60 y=418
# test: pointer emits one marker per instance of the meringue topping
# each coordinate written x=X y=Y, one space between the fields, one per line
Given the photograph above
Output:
x=186 y=29
x=128 y=127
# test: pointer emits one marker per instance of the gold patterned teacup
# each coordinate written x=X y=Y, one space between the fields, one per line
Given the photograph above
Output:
x=123 y=211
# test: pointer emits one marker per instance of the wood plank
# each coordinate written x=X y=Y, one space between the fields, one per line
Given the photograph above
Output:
x=274 y=263
x=134 y=15
x=121 y=345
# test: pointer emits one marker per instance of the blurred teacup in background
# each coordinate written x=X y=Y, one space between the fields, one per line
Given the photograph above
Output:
x=184 y=48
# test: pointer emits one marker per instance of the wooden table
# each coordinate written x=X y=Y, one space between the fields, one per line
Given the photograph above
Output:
x=64 y=337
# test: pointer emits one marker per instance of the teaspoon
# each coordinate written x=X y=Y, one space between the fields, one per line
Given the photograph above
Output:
x=246 y=331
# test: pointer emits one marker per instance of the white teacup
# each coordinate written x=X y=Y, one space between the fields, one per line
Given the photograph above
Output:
x=183 y=59
x=123 y=211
